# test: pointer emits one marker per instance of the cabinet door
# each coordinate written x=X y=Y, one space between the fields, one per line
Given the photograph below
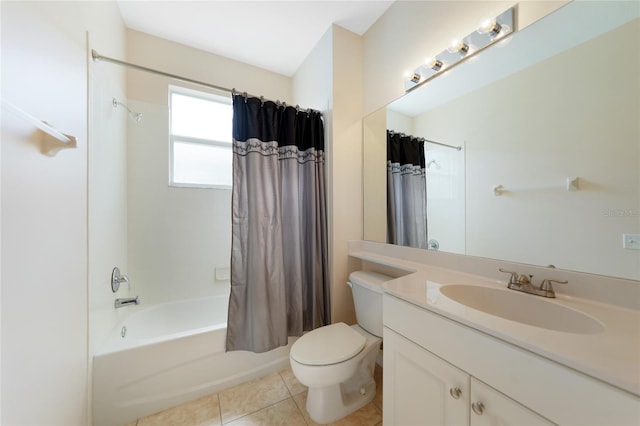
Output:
x=492 y=408
x=420 y=388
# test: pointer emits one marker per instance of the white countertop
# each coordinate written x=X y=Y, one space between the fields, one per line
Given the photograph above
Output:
x=612 y=355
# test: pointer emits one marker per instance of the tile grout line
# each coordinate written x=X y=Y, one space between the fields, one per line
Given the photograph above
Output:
x=257 y=411
x=291 y=396
x=304 y=418
x=263 y=408
x=219 y=407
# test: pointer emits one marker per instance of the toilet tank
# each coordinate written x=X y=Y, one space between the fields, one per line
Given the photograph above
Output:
x=367 y=297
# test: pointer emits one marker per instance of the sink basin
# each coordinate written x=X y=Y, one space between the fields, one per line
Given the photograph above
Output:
x=523 y=308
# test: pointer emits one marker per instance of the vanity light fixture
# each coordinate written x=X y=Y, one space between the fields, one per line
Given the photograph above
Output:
x=490 y=31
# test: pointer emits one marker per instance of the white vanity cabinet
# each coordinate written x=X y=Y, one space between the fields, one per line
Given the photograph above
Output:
x=422 y=389
x=491 y=408
x=429 y=357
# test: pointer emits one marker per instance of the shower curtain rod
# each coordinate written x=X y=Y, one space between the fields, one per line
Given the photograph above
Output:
x=98 y=57
x=457 y=148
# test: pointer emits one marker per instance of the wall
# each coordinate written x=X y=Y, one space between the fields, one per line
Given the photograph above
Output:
x=374 y=173
x=346 y=167
x=44 y=209
x=445 y=196
x=178 y=236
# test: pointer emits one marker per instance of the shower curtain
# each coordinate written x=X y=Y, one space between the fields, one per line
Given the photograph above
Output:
x=406 y=191
x=279 y=274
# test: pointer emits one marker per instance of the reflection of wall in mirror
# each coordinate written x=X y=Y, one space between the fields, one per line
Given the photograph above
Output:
x=582 y=122
x=445 y=197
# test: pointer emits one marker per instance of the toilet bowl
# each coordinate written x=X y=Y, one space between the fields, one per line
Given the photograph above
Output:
x=336 y=362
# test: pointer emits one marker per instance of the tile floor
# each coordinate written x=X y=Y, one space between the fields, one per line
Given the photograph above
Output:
x=276 y=399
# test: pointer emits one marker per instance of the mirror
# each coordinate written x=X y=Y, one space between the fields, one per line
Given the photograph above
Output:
x=549 y=121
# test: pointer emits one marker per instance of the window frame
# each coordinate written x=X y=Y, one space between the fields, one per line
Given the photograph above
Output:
x=212 y=96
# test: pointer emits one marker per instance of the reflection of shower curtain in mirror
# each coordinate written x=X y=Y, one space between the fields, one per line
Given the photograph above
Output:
x=406 y=191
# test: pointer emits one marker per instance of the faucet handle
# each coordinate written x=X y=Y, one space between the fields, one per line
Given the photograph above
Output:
x=546 y=287
x=117 y=278
x=514 y=275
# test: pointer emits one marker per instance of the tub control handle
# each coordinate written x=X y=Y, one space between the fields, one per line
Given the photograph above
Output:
x=117 y=278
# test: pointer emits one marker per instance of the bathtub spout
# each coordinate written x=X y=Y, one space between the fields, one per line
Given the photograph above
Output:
x=127 y=301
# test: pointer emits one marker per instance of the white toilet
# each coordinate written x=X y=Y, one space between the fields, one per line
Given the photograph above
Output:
x=336 y=361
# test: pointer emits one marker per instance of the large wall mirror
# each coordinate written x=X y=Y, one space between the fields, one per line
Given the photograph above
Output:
x=549 y=124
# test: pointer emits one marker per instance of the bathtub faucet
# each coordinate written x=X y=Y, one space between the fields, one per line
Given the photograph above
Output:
x=127 y=301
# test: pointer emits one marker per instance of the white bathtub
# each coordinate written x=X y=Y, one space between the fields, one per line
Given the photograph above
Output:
x=171 y=353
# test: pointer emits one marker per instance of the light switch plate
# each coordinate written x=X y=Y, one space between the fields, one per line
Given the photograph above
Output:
x=631 y=241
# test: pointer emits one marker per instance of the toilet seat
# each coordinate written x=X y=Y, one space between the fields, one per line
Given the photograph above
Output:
x=327 y=345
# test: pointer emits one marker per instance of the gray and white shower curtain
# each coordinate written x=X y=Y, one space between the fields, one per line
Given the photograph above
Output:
x=406 y=191
x=279 y=274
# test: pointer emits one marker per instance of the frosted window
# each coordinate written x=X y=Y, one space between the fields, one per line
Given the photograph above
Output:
x=200 y=139
x=200 y=118
x=201 y=164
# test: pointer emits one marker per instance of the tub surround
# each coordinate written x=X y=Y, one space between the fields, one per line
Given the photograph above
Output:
x=610 y=356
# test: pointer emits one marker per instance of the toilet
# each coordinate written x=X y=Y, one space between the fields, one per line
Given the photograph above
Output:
x=336 y=362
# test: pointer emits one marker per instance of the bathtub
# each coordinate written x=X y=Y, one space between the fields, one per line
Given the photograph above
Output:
x=170 y=353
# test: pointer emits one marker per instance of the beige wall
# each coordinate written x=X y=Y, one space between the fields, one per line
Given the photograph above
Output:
x=346 y=167
x=44 y=209
x=374 y=175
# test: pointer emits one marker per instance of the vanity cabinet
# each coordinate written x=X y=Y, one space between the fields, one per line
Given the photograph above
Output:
x=436 y=368
x=492 y=408
x=420 y=388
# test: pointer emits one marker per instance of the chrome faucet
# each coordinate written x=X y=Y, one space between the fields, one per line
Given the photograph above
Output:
x=127 y=301
x=521 y=282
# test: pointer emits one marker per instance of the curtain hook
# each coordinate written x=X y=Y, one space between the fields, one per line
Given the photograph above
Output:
x=233 y=92
x=261 y=100
x=297 y=109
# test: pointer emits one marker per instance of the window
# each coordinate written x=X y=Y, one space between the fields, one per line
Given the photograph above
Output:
x=200 y=133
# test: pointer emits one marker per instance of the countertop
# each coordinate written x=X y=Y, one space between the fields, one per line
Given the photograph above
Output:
x=611 y=355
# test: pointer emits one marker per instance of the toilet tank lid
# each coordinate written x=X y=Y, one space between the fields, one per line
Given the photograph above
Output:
x=326 y=345
x=369 y=279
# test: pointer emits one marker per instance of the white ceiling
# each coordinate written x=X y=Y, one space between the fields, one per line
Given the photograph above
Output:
x=274 y=35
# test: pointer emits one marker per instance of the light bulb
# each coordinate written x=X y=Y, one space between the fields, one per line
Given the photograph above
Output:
x=412 y=76
x=433 y=63
x=458 y=46
x=491 y=27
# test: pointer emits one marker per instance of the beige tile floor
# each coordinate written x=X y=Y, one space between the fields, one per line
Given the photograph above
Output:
x=277 y=399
